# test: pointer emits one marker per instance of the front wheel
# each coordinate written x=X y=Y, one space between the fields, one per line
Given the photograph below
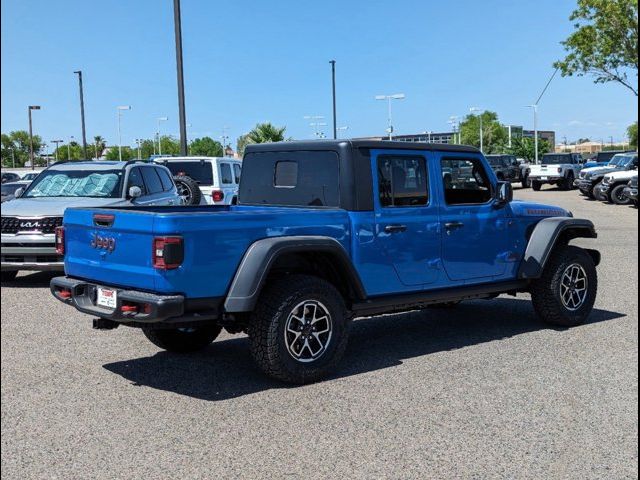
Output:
x=183 y=340
x=618 y=197
x=565 y=293
x=299 y=330
x=537 y=186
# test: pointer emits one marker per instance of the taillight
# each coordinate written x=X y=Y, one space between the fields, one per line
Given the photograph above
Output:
x=559 y=170
x=168 y=252
x=60 y=240
x=217 y=195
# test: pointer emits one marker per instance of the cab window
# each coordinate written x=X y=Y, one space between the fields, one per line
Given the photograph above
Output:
x=225 y=174
x=237 y=171
x=465 y=181
x=151 y=180
x=402 y=181
x=135 y=180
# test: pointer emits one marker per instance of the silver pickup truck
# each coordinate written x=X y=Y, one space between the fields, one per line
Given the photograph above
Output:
x=29 y=221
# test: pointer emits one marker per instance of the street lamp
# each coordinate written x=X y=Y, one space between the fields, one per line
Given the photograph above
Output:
x=473 y=110
x=31 y=107
x=84 y=131
x=341 y=129
x=388 y=98
x=57 y=142
x=139 y=143
x=535 y=129
x=316 y=124
x=69 y=147
x=160 y=119
x=455 y=126
x=120 y=109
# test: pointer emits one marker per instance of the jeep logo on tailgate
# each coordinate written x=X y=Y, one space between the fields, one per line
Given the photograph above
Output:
x=104 y=243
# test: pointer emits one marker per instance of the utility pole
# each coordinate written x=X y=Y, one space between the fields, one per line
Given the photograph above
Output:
x=180 y=74
x=473 y=110
x=333 y=89
x=31 y=157
x=84 y=132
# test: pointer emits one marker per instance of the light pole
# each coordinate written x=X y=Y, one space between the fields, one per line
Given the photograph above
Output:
x=474 y=110
x=535 y=129
x=180 y=73
x=13 y=157
x=69 y=147
x=139 y=143
x=611 y=141
x=453 y=121
x=84 y=132
x=333 y=91
x=120 y=109
x=316 y=124
x=57 y=142
x=225 y=139
x=388 y=98
x=341 y=129
x=160 y=119
x=31 y=159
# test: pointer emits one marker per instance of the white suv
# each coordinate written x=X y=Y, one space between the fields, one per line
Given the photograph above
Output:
x=556 y=169
x=217 y=178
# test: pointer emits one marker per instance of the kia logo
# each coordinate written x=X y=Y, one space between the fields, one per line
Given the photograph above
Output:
x=30 y=225
x=103 y=243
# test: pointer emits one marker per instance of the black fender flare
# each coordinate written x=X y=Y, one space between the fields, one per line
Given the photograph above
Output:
x=260 y=256
x=544 y=238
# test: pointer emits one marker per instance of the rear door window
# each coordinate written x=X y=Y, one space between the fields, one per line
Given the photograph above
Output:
x=237 y=171
x=402 y=181
x=465 y=181
x=152 y=180
x=167 y=183
x=225 y=174
x=135 y=180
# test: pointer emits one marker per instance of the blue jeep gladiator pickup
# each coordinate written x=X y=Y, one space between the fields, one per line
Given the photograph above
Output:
x=324 y=231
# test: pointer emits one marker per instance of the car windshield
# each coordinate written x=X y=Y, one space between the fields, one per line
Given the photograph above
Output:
x=626 y=160
x=555 y=159
x=494 y=161
x=76 y=183
x=30 y=176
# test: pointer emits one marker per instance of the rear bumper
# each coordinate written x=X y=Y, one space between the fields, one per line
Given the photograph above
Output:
x=550 y=178
x=151 y=308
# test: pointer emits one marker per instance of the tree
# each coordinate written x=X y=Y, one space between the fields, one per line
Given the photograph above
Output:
x=524 y=147
x=632 y=133
x=495 y=136
x=16 y=145
x=127 y=153
x=70 y=151
x=99 y=146
x=205 y=146
x=605 y=42
x=243 y=141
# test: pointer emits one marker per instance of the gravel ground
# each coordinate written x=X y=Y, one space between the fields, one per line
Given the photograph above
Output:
x=482 y=391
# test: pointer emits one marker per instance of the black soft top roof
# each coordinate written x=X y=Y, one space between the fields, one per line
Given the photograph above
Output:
x=341 y=144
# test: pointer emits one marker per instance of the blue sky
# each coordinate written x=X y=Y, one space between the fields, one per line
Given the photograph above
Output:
x=251 y=61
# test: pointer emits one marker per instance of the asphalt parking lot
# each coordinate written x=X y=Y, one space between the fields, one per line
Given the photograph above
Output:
x=480 y=391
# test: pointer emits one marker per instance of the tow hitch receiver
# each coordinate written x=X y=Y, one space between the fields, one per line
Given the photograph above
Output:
x=104 y=324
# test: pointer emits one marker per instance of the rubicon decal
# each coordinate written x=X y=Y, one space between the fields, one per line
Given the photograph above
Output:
x=103 y=243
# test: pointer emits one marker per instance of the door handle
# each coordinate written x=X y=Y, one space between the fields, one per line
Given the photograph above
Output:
x=453 y=225
x=395 y=228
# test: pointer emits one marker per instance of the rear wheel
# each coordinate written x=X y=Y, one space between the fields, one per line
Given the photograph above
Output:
x=525 y=181
x=618 y=197
x=188 y=190
x=183 y=340
x=299 y=329
x=565 y=293
x=536 y=185
x=8 y=275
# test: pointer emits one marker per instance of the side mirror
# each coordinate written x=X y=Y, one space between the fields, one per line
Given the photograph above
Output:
x=504 y=193
x=18 y=193
x=135 y=192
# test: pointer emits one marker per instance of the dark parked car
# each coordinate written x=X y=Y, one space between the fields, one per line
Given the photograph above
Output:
x=631 y=190
x=9 y=189
x=10 y=177
x=507 y=168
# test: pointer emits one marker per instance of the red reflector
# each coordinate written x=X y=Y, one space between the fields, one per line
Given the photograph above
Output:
x=217 y=195
x=60 y=240
x=129 y=308
x=64 y=293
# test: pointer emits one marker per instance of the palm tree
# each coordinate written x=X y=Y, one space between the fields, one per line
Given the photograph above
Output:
x=266 y=133
x=99 y=145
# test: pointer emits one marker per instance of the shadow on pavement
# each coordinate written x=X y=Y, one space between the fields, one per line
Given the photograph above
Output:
x=225 y=369
x=32 y=280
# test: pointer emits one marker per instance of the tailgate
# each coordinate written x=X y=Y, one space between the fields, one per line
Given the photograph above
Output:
x=112 y=247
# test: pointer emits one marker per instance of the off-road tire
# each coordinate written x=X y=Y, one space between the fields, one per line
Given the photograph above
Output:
x=182 y=340
x=616 y=195
x=268 y=322
x=188 y=189
x=566 y=183
x=8 y=275
x=545 y=291
x=537 y=186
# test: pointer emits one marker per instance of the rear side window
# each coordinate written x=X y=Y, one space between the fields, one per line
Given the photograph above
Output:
x=237 y=171
x=465 y=181
x=225 y=174
x=151 y=180
x=167 y=183
x=299 y=178
x=200 y=171
x=402 y=181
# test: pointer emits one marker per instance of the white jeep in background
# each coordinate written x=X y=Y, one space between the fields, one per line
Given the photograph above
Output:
x=611 y=189
x=556 y=169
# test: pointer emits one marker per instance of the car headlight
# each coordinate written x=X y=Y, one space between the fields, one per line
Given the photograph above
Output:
x=587 y=176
